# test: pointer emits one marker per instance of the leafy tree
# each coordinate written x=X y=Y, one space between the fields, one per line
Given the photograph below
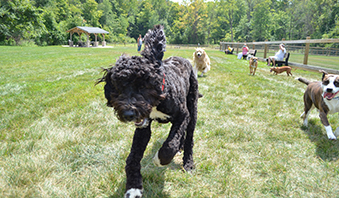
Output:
x=261 y=20
x=91 y=13
x=280 y=24
x=193 y=21
x=19 y=19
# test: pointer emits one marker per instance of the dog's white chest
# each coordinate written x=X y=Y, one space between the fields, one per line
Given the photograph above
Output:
x=333 y=105
x=253 y=65
x=158 y=114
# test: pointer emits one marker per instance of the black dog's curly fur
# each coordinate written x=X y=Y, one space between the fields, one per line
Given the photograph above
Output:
x=147 y=88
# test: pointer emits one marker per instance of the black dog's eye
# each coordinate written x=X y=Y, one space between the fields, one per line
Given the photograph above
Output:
x=142 y=87
x=326 y=82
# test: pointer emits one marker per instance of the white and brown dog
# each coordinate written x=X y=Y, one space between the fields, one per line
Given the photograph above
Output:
x=323 y=96
x=201 y=62
x=253 y=65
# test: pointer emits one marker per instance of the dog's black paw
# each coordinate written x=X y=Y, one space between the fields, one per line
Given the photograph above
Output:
x=189 y=167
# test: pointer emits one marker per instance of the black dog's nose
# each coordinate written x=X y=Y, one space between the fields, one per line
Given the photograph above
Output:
x=329 y=90
x=128 y=115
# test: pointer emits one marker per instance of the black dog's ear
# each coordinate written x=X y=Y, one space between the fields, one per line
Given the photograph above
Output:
x=103 y=79
x=324 y=74
x=155 y=44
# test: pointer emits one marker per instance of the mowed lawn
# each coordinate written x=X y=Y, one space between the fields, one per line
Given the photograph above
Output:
x=58 y=138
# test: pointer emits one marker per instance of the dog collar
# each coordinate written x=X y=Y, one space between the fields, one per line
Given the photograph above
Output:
x=163 y=83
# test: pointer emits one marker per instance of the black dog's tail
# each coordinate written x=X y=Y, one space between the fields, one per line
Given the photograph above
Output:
x=155 y=44
x=304 y=80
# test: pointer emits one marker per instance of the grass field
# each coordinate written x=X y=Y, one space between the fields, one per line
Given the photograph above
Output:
x=58 y=138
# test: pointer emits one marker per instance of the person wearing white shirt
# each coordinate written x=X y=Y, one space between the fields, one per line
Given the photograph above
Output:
x=278 y=56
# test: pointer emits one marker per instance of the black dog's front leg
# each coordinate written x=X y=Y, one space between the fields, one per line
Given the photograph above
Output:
x=132 y=168
x=173 y=142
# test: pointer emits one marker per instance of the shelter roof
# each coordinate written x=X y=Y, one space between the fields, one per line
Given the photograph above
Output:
x=90 y=30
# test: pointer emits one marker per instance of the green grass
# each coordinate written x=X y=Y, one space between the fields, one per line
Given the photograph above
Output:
x=58 y=138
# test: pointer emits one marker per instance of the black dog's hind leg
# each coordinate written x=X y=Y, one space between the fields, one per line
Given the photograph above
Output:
x=132 y=168
x=192 y=105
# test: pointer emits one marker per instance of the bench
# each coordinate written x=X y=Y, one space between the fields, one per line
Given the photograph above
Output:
x=285 y=61
x=251 y=52
x=81 y=44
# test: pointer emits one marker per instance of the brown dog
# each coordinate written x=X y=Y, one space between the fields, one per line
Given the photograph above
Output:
x=278 y=70
x=253 y=65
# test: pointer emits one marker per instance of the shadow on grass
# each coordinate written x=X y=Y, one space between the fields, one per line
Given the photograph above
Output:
x=153 y=177
x=327 y=150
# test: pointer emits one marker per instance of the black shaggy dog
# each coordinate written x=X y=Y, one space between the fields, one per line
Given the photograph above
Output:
x=147 y=88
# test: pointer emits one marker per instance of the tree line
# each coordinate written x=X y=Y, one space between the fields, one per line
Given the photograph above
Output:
x=45 y=22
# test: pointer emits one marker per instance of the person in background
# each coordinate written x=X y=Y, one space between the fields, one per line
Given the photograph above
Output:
x=245 y=50
x=229 y=50
x=278 y=56
x=139 y=41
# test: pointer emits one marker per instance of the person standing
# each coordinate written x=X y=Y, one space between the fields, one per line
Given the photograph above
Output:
x=139 y=41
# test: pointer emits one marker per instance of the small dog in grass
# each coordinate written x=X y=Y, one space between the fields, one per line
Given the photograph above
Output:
x=253 y=65
x=201 y=62
x=146 y=89
x=323 y=96
x=278 y=70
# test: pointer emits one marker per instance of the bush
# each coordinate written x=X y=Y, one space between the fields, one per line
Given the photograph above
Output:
x=27 y=43
x=10 y=42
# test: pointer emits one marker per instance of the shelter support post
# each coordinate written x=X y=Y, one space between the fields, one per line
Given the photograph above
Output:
x=103 y=40
x=88 y=43
x=96 y=40
x=70 y=42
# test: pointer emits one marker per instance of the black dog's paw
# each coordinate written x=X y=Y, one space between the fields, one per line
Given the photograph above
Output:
x=133 y=193
x=189 y=167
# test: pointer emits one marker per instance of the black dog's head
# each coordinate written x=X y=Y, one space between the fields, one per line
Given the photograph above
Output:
x=135 y=84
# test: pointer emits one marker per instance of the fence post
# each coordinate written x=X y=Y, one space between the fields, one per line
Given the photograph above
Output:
x=307 y=48
x=265 y=49
x=253 y=44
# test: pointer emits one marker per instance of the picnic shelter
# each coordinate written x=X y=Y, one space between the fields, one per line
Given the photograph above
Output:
x=87 y=30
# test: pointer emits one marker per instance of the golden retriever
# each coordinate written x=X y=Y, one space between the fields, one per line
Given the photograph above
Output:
x=201 y=62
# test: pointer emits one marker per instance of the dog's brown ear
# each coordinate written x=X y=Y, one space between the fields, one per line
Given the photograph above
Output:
x=324 y=74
